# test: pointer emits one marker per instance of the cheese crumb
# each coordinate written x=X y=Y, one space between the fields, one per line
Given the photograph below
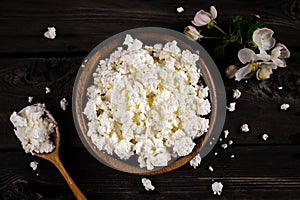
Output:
x=216 y=153
x=217 y=187
x=33 y=128
x=236 y=93
x=231 y=107
x=47 y=90
x=195 y=162
x=232 y=156
x=180 y=9
x=210 y=168
x=226 y=133
x=34 y=165
x=147 y=184
x=265 y=136
x=63 y=104
x=230 y=142
x=280 y=88
x=30 y=98
x=51 y=33
x=284 y=106
x=245 y=128
x=224 y=146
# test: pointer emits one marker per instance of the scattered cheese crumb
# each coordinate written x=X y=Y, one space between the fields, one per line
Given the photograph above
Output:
x=217 y=187
x=47 y=90
x=213 y=138
x=34 y=165
x=220 y=139
x=147 y=184
x=216 y=153
x=30 y=98
x=230 y=142
x=37 y=174
x=245 y=128
x=226 y=133
x=210 y=168
x=180 y=9
x=195 y=162
x=231 y=107
x=236 y=93
x=210 y=143
x=63 y=104
x=284 y=106
x=224 y=146
x=280 y=88
x=265 y=136
x=51 y=33
x=232 y=156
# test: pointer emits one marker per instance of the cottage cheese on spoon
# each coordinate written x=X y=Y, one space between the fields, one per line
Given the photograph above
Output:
x=33 y=128
x=147 y=100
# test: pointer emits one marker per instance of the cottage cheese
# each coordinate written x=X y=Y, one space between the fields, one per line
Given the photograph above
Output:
x=34 y=165
x=63 y=103
x=195 y=162
x=30 y=98
x=236 y=93
x=217 y=188
x=265 y=136
x=146 y=100
x=47 y=90
x=284 y=106
x=180 y=9
x=50 y=33
x=245 y=128
x=147 y=184
x=226 y=133
x=231 y=107
x=33 y=129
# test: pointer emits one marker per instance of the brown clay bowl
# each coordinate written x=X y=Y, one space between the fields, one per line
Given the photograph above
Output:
x=150 y=36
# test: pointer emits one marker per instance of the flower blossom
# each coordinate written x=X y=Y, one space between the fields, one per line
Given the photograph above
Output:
x=203 y=18
x=254 y=62
x=192 y=33
x=262 y=63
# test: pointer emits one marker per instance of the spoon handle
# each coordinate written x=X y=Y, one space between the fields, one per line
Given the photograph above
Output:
x=76 y=191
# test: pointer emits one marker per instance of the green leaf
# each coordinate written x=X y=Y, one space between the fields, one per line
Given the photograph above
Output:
x=219 y=52
x=253 y=27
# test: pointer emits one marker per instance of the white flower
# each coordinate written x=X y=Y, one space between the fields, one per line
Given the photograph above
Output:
x=279 y=53
x=202 y=17
x=255 y=62
x=192 y=33
x=263 y=39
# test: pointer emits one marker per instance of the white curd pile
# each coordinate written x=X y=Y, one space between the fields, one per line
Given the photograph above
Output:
x=33 y=128
x=147 y=100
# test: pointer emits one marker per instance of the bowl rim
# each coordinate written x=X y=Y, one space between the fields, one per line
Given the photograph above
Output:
x=217 y=91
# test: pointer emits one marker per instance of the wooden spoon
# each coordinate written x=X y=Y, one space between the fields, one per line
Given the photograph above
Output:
x=54 y=158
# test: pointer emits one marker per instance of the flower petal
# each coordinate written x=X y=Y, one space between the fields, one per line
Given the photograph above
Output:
x=279 y=62
x=264 y=71
x=243 y=73
x=263 y=38
x=284 y=52
x=191 y=32
x=213 y=12
x=201 y=18
x=246 y=55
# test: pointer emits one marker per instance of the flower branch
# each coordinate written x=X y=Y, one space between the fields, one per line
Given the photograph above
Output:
x=259 y=53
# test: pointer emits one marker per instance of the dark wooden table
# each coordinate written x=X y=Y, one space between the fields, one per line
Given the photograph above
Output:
x=29 y=62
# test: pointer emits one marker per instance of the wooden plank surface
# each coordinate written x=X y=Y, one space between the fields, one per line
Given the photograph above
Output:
x=29 y=62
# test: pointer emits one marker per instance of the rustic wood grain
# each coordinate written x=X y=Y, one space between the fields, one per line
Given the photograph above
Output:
x=271 y=175
x=82 y=25
x=29 y=62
